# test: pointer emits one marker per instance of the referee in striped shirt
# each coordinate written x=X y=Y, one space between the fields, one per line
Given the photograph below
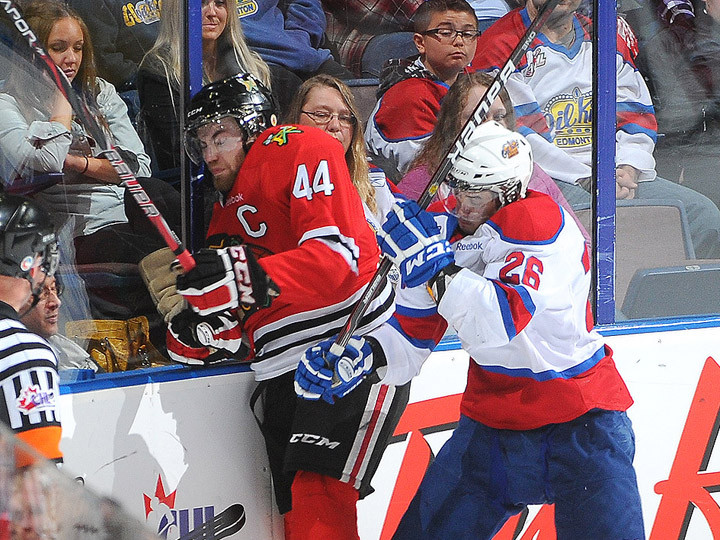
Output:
x=29 y=389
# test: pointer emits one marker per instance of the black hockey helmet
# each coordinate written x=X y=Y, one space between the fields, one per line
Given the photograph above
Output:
x=26 y=233
x=241 y=96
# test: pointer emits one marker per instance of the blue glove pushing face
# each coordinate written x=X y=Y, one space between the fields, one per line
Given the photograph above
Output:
x=315 y=380
x=413 y=240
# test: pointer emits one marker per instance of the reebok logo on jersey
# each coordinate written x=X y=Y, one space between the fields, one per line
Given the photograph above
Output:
x=34 y=399
x=467 y=246
x=316 y=440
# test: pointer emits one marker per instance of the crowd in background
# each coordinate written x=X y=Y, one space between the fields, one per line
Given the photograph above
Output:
x=124 y=59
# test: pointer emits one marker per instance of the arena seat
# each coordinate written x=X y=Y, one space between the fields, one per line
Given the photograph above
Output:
x=364 y=93
x=649 y=234
x=674 y=291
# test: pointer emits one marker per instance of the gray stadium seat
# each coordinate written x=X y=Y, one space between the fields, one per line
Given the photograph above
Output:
x=364 y=93
x=674 y=291
x=649 y=234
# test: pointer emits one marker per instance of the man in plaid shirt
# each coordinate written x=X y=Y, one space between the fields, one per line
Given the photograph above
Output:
x=352 y=24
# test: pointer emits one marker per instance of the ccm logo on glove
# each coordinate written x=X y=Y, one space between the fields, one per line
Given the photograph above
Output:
x=225 y=279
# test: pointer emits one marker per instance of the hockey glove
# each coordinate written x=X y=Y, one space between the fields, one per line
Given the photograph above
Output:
x=192 y=339
x=414 y=242
x=159 y=278
x=315 y=380
x=225 y=279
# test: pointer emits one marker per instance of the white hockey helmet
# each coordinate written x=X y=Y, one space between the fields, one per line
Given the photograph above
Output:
x=494 y=159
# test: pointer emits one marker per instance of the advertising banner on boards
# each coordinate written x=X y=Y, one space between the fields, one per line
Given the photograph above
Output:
x=186 y=454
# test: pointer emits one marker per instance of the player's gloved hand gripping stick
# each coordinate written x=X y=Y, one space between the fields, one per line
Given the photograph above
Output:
x=336 y=357
x=128 y=180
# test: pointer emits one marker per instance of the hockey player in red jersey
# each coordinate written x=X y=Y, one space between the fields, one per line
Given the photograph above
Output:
x=291 y=254
x=543 y=414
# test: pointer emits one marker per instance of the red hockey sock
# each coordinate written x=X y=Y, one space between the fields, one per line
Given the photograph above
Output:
x=323 y=508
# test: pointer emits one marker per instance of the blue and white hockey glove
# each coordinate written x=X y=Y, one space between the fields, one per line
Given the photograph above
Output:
x=192 y=339
x=414 y=242
x=315 y=380
x=225 y=279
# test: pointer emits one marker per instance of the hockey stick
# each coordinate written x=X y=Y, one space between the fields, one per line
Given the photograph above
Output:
x=477 y=118
x=128 y=180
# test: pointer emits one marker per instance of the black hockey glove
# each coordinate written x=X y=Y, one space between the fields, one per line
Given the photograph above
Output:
x=196 y=340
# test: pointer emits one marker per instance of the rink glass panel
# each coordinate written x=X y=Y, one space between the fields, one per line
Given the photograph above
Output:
x=646 y=267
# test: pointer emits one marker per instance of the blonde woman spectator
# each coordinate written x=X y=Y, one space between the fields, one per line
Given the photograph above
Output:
x=39 y=134
x=327 y=103
x=225 y=53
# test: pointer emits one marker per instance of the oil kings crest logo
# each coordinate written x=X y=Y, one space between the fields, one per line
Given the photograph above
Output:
x=510 y=149
x=569 y=117
x=143 y=12
x=246 y=7
x=281 y=136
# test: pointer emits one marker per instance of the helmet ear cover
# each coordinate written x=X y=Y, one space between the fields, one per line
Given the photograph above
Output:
x=26 y=234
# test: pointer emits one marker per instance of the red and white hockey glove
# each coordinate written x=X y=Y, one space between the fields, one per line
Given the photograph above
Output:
x=192 y=339
x=225 y=279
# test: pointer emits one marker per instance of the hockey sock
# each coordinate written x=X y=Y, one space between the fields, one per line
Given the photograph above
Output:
x=323 y=508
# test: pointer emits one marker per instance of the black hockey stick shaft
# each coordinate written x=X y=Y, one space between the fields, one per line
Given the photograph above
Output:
x=477 y=118
x=128 y=179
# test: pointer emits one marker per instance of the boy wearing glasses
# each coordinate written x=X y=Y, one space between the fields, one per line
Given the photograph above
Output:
x=411 y=91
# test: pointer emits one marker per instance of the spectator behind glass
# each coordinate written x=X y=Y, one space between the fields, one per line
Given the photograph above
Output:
x=107 y=224
x=122 y=33
x=289 y=36
x=42 y=318
x=558 y=79
x=224 y=54
x=687 y=105
x=457 y=107
x=367 y=34
x=489 y=11
x=410 y=92
x=327 y=103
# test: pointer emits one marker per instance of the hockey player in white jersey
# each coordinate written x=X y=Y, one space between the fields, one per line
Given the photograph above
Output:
x=543 y=414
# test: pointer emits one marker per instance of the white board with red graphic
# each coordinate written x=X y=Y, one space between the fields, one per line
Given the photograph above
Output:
x=181 y=449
